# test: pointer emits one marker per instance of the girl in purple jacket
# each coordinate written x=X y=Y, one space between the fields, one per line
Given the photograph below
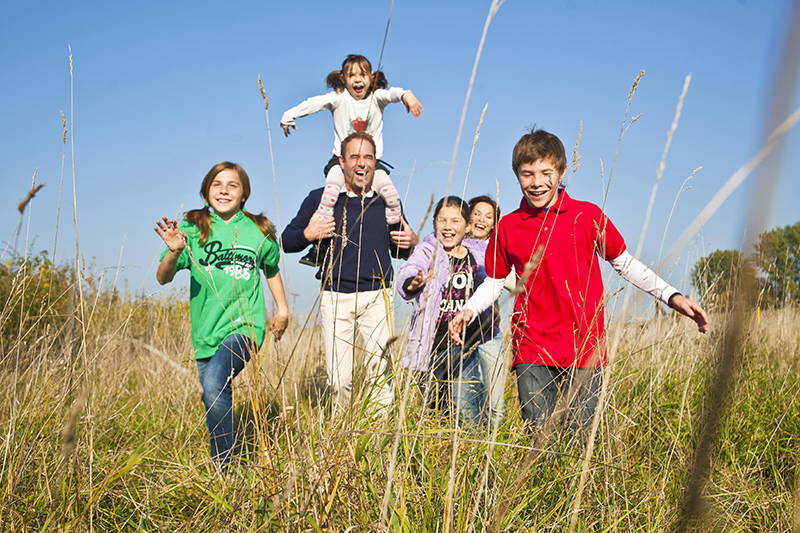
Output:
x=441 y=274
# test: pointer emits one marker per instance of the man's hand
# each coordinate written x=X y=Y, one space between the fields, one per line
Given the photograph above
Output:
x=458 y=324
x=406 y=238
x=319 y=228
x=687 y=307
x=286 y=129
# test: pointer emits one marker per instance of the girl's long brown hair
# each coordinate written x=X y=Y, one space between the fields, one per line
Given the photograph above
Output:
x=335 y=82
x=202 y=217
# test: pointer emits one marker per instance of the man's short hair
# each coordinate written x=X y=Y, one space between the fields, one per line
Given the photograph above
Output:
x=358 y=135
x=536 y=145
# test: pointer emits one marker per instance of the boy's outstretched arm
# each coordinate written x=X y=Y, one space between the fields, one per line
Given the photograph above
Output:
x=411 y=103
x=457 y=324
x=483 y=297
x=687 y=307
x=645 y=279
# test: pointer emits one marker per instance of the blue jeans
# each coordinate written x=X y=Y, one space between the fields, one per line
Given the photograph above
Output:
x=539 y=387
x=491 y=359
x=216 y=374
x=454 y=384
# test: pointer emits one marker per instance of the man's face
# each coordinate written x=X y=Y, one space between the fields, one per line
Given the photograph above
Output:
x=358 y=165
x=539 y=182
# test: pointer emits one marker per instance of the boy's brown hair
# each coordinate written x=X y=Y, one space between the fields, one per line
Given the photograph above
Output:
x=536 y=145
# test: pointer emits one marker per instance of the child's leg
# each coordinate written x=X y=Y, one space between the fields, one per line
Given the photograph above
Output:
x=585 y=387
x=216 y=374
x=334 y=181
x=383 y=185
x=467 y=388
x=537 y=386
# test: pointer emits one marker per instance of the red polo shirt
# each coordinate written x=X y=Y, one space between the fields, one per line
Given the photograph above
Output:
x=558 y=320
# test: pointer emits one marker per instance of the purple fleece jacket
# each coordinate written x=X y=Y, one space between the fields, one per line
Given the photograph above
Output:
x=430 y=254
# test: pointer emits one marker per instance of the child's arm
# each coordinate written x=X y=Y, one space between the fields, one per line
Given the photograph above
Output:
x=306 y=107
x=281 y=319
x=635 y=272
x=175 y=240
x=414 y=273
x=687 y=307
x=483 y=297
x=286 y=129
x=411 y=103
x=418 y=281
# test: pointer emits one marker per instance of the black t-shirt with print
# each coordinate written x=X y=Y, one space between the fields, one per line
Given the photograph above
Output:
x=459 y=287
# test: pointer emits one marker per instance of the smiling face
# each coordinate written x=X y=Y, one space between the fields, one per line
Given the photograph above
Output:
x=356 y=81
x=226 y=194
x=450 y=227
x=539 y=182
x=358 y=165
x=482 y=220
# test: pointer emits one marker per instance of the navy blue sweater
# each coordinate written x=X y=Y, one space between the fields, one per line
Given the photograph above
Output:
x=368 y=242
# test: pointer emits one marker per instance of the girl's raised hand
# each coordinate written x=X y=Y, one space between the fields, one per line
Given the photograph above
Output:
x=286 y=130
x=411 y=103
x=171 y=233
x=419 y=280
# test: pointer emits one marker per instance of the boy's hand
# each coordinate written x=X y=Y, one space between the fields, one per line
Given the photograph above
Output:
x=170 y=232
x=319 y=228
x=687 y=307
x=280 y=321
x=457 y=324
x=406 y=238
x=286 y=128
x=419 y=280
x=411 y=103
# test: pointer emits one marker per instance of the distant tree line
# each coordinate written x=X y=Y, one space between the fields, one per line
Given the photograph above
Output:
x=773 y=268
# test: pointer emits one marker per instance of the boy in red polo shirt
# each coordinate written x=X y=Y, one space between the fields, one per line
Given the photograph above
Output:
x=558 y=322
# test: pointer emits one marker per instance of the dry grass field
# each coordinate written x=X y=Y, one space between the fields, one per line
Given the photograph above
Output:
x=102 y=429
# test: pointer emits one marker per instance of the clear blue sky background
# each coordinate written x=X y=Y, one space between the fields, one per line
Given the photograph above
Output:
x=164 y=90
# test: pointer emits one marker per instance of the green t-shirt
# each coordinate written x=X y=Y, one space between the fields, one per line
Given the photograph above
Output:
x=226 y=295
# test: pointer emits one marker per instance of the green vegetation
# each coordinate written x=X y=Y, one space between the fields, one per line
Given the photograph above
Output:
x=103 y=430
x=778 y=257
x=774 y=267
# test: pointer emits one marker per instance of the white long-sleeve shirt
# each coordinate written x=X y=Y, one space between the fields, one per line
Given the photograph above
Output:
x=630 y=268
x=349 y=115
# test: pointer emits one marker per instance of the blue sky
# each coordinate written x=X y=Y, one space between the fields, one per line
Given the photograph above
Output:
x=164 y=90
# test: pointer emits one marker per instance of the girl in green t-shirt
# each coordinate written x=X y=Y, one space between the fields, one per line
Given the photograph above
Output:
x=223 y=246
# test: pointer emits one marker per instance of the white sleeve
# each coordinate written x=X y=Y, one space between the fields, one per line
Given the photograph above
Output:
x=634 y=271
x=392 y=95
x=308 y=107
x=511 y=281
x=484 y=296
